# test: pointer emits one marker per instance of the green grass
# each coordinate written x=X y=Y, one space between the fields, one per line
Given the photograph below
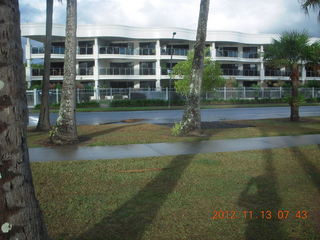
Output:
x=114 y=109
x=175 y=197
x=118 y=134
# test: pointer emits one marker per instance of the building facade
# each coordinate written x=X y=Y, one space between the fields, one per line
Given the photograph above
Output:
x=134 y=57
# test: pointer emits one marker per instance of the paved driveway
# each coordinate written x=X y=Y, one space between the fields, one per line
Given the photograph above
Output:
x=170 y=116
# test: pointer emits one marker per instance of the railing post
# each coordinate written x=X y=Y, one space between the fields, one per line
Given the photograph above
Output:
x=35 y=97
x=78 y=97
x=57 y=95
x=262 y=92
x=167 y=95
x=225 y=93
x=129 y=94
x=244 y=92
x=280 y=92
x=312 y=92
x=97 y=93
x=111 y=94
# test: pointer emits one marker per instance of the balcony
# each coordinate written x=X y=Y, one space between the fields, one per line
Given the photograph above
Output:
x=230 y=72
x=250 y=55
x=175 y=51
x=147 y=71
x=227 y=53
x=53 y=72
x=237 y=72
x=85 y=71
x=249 y=72
x=115 y=50
x=147 y=51
x=277 y=73
x=54 y=50
x=313 y=74
x=85 y=50
x=116 y=71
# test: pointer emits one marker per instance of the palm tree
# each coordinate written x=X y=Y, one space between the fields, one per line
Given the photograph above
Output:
x=311 y=4
x=290 y=51
x=191 y=119
x=65 y=131
x=20 y=216
x=44 y=116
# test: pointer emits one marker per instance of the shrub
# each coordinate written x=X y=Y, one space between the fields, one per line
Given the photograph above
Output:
x=79 y=105
x=176 y=129
x=143 y=103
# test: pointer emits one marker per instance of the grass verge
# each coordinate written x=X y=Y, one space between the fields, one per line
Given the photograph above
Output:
x=176 y=197
x=115 y=109
x=119 y=134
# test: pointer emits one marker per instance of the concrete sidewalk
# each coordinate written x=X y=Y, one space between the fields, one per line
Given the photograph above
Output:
x=65 y=153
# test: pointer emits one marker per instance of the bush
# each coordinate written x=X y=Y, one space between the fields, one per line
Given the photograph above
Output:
x=176 y=129
x=144 y=103
x=91 y=104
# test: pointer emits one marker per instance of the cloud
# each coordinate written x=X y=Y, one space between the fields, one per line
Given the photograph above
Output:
x=251 y=16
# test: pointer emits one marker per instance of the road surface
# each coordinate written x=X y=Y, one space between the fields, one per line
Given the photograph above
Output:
x=170 y=116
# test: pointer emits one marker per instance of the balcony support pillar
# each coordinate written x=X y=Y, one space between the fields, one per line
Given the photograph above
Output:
x=303 y=73
x=136 y=84
x=240 y=52
x=158 y=65
x=262 y=69
x=28 y=67
x=213 y=51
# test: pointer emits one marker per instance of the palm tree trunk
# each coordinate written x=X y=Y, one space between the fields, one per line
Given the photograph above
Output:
x=65 y=131
x=20 y=215
x=44 y=118
x=294 y=103
x=191 y=119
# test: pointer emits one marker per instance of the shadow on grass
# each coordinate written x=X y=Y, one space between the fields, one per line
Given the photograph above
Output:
x=261 y=194
x=313 y=173
x=310 y=168
x=87 y=137
x=132 y=218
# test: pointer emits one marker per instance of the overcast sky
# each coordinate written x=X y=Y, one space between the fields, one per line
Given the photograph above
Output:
x=249 y=16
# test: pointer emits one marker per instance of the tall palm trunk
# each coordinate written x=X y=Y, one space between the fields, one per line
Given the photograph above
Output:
x=294 y=103
x=65 y=131
x=192 y=118
x=44 y=119
x=20 y=215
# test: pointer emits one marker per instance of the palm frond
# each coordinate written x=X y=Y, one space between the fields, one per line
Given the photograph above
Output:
x=311 y=4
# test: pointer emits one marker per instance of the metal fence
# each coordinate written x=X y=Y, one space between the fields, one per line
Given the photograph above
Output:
x=108 y=94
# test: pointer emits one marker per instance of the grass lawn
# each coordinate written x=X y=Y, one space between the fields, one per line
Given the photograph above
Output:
x=176 y=198
x=117 y=134
x=113 y=109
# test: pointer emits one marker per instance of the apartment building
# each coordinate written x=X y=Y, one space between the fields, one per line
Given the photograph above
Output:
x=134 y=57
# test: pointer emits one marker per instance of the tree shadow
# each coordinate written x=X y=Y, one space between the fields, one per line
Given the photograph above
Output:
x=313 y=173
x=310 y=168
x=92 y=135
x=261 y=194
x=132 y=218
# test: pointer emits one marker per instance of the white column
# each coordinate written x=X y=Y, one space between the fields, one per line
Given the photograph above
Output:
x=158 y=65
x=213 y=50
x=136 y=84
x=303 y=73
x=96 y=68
x=136 y=48
x=262 y=77
x=136 y=68
x=96 y=61
x=28 y=58
x=240 y=51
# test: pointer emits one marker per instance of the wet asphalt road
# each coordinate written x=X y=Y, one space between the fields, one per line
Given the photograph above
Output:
x=170 y=116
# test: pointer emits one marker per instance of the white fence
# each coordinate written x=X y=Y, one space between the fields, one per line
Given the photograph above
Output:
x=106 y=94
